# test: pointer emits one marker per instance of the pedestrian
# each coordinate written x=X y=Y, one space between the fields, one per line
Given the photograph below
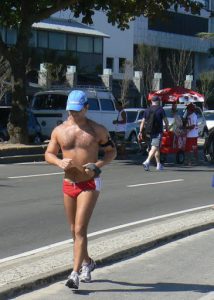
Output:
x=153 y=119
x=192 y=134
x=120 y=129
x=179 y=139
x=80 y=139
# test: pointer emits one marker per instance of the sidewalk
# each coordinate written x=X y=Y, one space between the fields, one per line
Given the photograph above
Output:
x=169 y=272
x=15 y=153
x=34 y=271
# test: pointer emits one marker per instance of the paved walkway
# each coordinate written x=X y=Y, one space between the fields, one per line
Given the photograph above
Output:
x=33 y=271
x=180 y=270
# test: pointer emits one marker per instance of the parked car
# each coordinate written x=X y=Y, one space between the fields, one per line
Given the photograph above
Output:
x=209 y=116
x=209 y=147
x=34 y=129
x=134 y=116
x=49 y=107
x=202 y=125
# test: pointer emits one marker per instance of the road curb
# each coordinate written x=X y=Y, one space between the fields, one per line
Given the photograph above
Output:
x=108 y=249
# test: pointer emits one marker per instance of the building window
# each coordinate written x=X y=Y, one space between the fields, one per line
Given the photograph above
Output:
x=72 y=42
x=110 y=63
x=85 y=44
x=179 y=24
x=98 y=45
x=42 y=39
x=122 y=62
x=57 y=41
x=11 y=36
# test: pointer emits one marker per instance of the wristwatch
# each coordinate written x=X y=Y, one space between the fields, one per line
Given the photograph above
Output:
x=97 y=171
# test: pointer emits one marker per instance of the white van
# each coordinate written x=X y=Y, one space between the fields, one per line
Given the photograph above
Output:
x=49 y=108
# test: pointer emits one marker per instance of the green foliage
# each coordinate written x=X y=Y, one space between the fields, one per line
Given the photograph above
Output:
x=120 y=12
x=206 y=84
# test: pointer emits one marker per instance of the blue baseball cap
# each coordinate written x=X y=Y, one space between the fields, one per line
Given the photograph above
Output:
x=76 y=100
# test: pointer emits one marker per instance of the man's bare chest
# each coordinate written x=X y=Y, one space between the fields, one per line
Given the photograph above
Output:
x=79 y=139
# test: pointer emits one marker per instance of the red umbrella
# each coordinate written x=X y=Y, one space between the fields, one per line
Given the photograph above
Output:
x=177 y=94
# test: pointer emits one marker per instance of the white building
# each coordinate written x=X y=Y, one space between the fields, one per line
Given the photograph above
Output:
x=178 y=33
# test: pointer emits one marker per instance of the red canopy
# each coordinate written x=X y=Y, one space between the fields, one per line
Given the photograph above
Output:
x=177 y=94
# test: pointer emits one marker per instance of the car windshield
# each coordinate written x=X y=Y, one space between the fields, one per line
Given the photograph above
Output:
x=131 y=116
x=209 y=116
x=169 y=113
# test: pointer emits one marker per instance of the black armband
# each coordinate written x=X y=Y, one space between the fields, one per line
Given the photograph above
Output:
x=97 y=171
x=109 y=143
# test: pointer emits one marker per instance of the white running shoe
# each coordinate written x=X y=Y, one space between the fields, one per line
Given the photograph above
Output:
x=146 y=166
x=159 y=167
x=73 y=281
x=86 y=270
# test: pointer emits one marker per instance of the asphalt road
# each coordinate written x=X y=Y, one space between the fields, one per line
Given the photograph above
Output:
x=31 y=207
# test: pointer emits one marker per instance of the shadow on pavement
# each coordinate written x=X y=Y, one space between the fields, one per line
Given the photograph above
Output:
x=150 y=287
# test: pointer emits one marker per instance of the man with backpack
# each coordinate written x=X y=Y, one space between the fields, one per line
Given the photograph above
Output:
x=152 y=124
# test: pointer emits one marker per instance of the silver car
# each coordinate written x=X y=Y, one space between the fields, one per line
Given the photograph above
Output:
x=134 y=117
x=202 y=125
x=209 y=116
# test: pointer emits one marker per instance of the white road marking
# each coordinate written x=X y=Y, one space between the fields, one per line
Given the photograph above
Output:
x=36 y=175
x=31 y=163
x=100 y=232
x=157 y=182
x=209 y=296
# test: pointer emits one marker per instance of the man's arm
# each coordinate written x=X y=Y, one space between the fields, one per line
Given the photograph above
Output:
x=140 y=134
x=53 y=150
x=166 y=123
x=107 y=146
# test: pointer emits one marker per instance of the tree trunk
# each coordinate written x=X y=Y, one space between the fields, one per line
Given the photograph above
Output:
x=17 y=126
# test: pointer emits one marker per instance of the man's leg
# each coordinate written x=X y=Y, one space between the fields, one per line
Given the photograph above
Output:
x=85 y=205
x=70 y=211
x=157 y=156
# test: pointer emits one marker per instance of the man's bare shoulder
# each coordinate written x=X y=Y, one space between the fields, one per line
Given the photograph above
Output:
x=97 y=126
x=60 y=128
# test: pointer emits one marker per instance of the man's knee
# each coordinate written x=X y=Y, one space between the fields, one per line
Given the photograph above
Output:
x=80 y=231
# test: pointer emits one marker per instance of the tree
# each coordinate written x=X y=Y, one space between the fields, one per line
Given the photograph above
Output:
x=5 y=75
x=206 y=84
x=147 y=61
x=206 y=35
x=125 y=82
x=21 y=14
x=179 y=64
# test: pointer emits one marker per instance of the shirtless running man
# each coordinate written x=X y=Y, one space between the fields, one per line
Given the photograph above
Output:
x=80 y=139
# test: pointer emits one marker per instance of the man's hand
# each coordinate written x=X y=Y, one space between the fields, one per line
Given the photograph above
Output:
x=140 y=137
x=66 y=163
x=92 y=170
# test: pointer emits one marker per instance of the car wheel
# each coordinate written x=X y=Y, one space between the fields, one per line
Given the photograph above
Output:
x=133 y=138
x=180 y=157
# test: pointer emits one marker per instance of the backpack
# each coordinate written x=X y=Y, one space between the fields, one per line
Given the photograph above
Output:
x=151 y=124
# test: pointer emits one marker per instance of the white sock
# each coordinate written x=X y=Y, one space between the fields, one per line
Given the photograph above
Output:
x=147 y=162
x=75 y=273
